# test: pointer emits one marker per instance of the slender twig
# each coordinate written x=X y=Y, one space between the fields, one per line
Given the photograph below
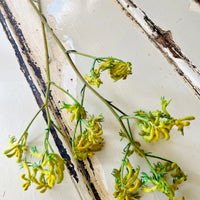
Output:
x=30 y=123
x=54 y=125
x=65 y=92
x=82 y=99
x=158 y=157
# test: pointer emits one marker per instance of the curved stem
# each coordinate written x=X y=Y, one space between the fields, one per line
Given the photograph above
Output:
x=93 y=57
x=60 y=88
x=81 y=54
x=158 y=157
x=50 y=146
x=54 y=125
x=74 y=134
x=31 y=122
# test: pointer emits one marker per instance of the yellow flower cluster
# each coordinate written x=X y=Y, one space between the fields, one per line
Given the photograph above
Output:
x=118 y=69
x=18 y=148
x=44 y=175
x=126 y=185
x=78 y=112
x=158 y=124
x=90 y=140
x=178 y=176
x=94 y=79
x=160 y=182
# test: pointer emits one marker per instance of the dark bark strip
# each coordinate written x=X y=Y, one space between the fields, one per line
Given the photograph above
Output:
x=33 y=87
x=27 y=52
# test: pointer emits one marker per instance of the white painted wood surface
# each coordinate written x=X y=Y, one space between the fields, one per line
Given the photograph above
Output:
x=100 y=28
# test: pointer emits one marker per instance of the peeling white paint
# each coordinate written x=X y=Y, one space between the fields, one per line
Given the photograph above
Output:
x=194 y=6
x=188 y=72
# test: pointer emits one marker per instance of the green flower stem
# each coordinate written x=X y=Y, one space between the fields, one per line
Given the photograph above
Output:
x=60 y=88
x=123 y=113
x=82 y=99
x=30 y=123
x=46 y=142
x=83 y=94
x=46 y=137
x=158 y=157
x=93 y=57
x=105 y=58
x=87 y=85
x=50 y=146
x=82 y=54
x=134 y=117
x=93 y=65
x=122 y=165
x=54 y=125
x=116 y=108
x=74 y=135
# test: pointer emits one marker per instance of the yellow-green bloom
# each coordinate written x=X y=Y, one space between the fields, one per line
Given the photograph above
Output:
x=158 y=124
x=118 y=69
x=18 y=148
x=94 y=78
x=160 y=181
x=50 y=170
x=93 y=128
x=83 y=147
x=78 y=112
x=126 y=185
x=90 y=141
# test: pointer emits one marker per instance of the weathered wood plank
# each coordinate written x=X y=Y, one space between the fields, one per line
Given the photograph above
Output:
x=23 y=30
x=163 y=40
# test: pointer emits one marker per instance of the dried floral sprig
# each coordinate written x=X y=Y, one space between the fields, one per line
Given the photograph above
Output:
x=89 y=140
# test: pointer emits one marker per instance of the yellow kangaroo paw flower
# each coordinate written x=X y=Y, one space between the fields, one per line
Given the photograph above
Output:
x=23 y=177
x=43 y=190
x=26 y=167
x=166 y=133
x=156 y=136
x=11 y=155
x=129 y=168
x=26 y=185
x=148 y=189
x=39 y=187
x=136 y=186
x=149 y=137
x=9 y=150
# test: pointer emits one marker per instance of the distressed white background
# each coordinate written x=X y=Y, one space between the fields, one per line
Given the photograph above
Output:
x=100 y=28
